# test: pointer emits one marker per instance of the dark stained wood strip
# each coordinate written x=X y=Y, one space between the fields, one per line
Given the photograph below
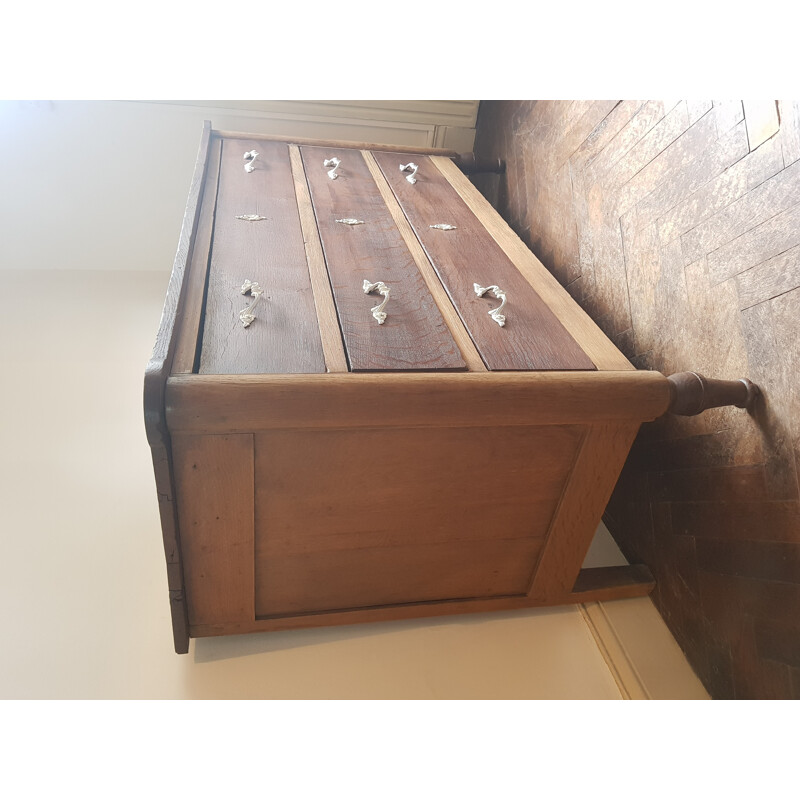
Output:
x=533 y=338
x=215 y=495
x=414 y=335
x=189 y=330
x=775 y=521
x=769 y=561
x=284 y=338
x=751 y=209
x=155 y=379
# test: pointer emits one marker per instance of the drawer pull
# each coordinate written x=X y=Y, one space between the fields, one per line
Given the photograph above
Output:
x=382 y=289
x=332 y=162
x=410 y=166
x=443 y=226
x=494 y=313
x=250 y=217
x=249 y=157
x=351 y=221
x=246 y=315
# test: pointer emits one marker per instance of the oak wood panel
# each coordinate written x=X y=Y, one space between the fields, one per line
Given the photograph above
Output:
x=155 y=378
x=414 y=335
x=249 y=403
x=189 y=330
x=449 y=314
x=581 y=327
x=375 y=517
x=342 y=579
x=390 y=613
x=285 y=337
x=591 y=482
x=215 y=494
x=332 y=345
x=532 y=337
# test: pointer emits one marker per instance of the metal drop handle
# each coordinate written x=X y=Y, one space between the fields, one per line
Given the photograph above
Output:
x=249 y=157
x=246 y=315
x=494 y=313
x=410 y=166
x=382 y=289
x=332 y=162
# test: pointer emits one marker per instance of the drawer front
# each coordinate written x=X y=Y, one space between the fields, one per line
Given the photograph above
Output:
x=284 y=336
x=413 y=335
x=532 y=337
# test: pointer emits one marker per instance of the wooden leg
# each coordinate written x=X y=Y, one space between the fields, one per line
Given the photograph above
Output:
x=469 y=164
x=692 y=393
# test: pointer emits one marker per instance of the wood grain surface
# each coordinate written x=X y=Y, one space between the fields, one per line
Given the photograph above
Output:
x=591 y=482
x=217 y=403
x=214 y=482
x=155 y=380
x=414 y=335
x=189 y=329
x=284 y=338
x=352 y=518
x=533 y=337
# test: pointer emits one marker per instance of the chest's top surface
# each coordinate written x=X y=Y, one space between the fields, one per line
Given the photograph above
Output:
x=308 y=258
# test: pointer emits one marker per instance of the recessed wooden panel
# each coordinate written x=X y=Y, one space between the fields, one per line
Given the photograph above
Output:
x=414 y=335
x=284 y=338
x=532 y=338
x=371 y=517
x=214 y=488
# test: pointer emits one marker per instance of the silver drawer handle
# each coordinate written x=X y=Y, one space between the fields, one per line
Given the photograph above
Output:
x=332 y=162
x=246 y=315
x=500 y=295
x=410 y=166
x=250 y=156
x=382 y=289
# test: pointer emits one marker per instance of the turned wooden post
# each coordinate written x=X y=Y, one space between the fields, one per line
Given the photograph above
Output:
x=692 y=393
x=469 y=164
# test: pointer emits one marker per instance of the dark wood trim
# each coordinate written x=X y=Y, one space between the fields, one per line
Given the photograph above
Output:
x=691 y=393
x=155 y=379
x=612 y=583
x=470 y=164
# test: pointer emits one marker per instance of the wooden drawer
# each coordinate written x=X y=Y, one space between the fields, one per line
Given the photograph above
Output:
x=531 y=337
x=270 y=251
x=320 y=468
x=370 y=248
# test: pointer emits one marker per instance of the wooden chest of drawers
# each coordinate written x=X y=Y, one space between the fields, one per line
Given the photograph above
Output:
x=323 y=465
